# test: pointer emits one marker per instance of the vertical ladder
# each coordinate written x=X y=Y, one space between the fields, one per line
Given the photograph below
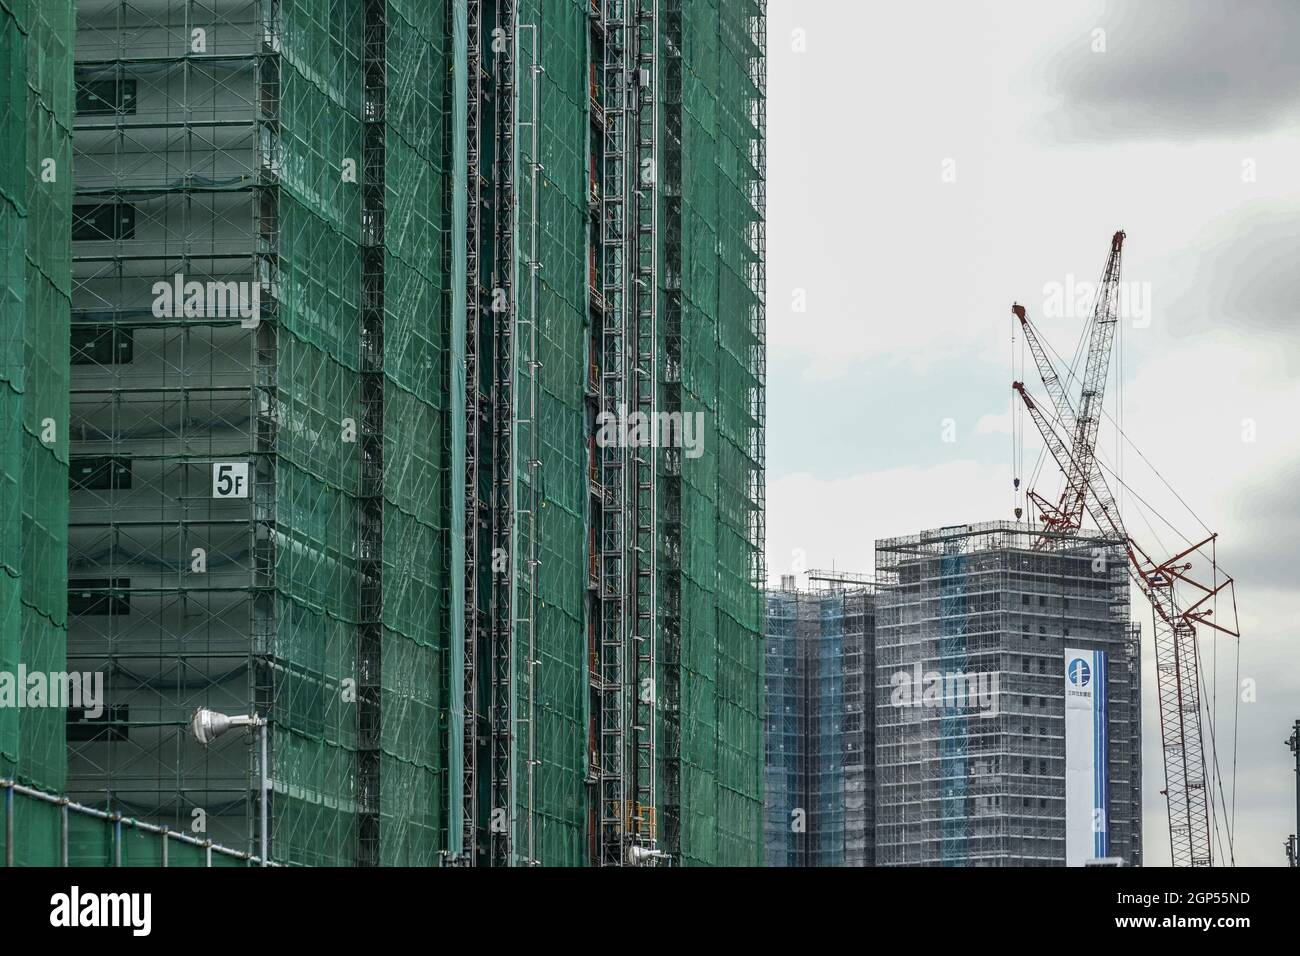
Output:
x=473 y=415
x=526 y=435
x=644 y=385
x=504 y=314
x=611 y=741
x=370 y=549
x=669 y=494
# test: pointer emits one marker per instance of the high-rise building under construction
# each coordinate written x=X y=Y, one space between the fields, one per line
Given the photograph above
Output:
x=357 y=285
x=819 y=733
x=1008 y=701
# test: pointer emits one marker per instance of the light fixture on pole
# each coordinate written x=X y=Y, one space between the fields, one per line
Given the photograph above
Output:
x=207 y=725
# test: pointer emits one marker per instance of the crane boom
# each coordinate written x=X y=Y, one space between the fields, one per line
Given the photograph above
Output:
x=1064 y=410
x=1083 y=450
x=1165 y=584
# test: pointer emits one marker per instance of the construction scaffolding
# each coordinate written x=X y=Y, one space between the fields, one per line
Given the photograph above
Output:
x=722 y=370
x=859 y=748
x=351 y=284
x=35 y=223
x=298 y=156
x=592 y=755
x=819 y=758
x=962 y=785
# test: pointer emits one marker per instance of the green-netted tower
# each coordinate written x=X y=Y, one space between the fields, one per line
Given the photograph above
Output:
x=459 y=233
x=35 y=213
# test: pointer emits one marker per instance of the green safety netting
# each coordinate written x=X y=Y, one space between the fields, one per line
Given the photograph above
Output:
x=722 y=626
x=553 y=218
x=418 y=415
x=309 y=599
x=319 y=481
x=35 y=223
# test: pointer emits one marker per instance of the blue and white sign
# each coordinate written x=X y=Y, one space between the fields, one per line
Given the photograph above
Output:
x=1087 y=783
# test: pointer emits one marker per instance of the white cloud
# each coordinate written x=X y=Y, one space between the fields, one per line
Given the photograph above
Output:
x=994 y=424
x=836 y=521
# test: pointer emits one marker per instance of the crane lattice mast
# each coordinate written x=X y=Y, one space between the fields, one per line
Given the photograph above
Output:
x=1178 y=599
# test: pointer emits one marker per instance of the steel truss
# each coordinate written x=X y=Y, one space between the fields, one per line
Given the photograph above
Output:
x=611 y=739
x=371 y=443
x=501 y=714
x=475 y=412
x=643 y=518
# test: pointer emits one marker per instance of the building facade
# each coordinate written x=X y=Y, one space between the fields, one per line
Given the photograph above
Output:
x=35 y=212
x=819 y=745
x=973 y=625
x=355 y=288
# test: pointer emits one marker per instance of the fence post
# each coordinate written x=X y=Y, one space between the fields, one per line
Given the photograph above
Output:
x=9 y=825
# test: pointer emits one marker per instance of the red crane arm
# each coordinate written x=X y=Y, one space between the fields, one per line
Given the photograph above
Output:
x=1175 y=615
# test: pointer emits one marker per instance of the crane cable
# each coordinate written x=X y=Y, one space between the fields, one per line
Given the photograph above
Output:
x=1071 y=373
x=1211 y=704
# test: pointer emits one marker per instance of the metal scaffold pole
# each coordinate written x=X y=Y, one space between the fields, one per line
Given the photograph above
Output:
x=643 y=519
x=1293 y=844
x=474 y=413
x=668 y=503
x=371 y=445
x=528 y=517
x=505 y=538
x=611 y=735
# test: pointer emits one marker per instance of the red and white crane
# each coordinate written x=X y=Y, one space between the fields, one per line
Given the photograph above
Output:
x=1181 y=597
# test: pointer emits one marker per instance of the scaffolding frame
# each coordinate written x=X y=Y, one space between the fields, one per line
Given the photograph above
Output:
x=669 y=505
x=475 y=413
x=643 y=517
x=614 y=625
x=959 y=788
x=315 y=579
x=371 y=434
x=818 y=727
x=283 y=154
x=502 y=698
x=530 y=367
x=36 y=130
x=110 y=413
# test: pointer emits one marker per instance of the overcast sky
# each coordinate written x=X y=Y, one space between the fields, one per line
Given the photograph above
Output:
x=929 y=162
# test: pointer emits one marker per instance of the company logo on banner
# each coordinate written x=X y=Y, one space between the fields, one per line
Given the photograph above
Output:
x=1087 y=781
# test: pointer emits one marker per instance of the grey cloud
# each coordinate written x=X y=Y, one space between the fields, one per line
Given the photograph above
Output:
x=1175 y=69
x=1262 y=554
x=1241 y=275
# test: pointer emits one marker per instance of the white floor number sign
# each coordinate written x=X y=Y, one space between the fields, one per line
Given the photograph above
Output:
x=230 y=479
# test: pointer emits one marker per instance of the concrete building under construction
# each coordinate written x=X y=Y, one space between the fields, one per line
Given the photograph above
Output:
x=354 y=286
x=820 y=761
x=987 y=637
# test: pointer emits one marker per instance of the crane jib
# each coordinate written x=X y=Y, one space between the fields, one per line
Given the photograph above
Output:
x=1180 y=599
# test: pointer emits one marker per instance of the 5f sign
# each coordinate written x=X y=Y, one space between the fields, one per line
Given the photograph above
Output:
x=230 y=479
